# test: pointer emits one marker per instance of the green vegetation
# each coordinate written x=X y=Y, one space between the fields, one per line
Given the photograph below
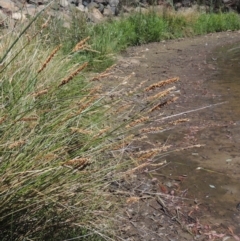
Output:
x=59 y=130
x=113 y=36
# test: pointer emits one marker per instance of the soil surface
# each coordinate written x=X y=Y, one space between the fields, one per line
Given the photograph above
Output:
x=194 y=193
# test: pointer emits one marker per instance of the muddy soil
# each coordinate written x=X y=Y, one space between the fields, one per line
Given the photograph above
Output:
x=195 y=194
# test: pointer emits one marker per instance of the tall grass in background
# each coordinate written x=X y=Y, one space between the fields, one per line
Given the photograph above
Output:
x=114 y=36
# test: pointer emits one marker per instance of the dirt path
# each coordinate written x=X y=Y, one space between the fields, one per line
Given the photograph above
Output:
x=153 y=217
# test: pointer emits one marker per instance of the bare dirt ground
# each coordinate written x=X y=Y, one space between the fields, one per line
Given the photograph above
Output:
x=169 y=203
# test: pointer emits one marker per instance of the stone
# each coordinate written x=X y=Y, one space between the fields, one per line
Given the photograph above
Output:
x=141 y=10
x=9 y=5
x=107 y=11
x=100 y=1
x=55 y=6
x=101 y=7
x=95 y=15
x=80 y=8
x=114 y=6
x=30 y=10
x=92 y=5
x=18 y=16
x=63 y=3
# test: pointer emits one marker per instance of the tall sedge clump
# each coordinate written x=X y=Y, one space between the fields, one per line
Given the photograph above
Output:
x=60 y=139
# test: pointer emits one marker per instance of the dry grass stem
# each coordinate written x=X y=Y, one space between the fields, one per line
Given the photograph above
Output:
x=161 y=94
x=140 y=85
x=77 y=163
x=40 y=92
x=81 y=131
x=73 y=74
x=189 y=147
x=16 y=144
x=49 y=58
x=86 y=105
x=103 y=74
x=151 y=129
x=30 y=118
x=137 y=122
x=100 y=76
x=80 y=45
x=132 y=200
x=3 y=119
x=122 y=108
x=161 y=84
x=179 y=121
x=123 y=143
x=159 y=106
x=101 y=132
x=46 y=23
x=135 y=169
x=145 y=155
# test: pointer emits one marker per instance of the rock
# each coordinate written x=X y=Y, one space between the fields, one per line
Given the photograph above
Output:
x=100 y=1
x=75 y=2
x=108 y=11
x=80 y=8
x=92 y=5
x=101 y=7
x=95 y=16
x=18 y=16
x=141 y=10
x=114 y=6
x=55 y=6
x=9 y=5
x=30 y=10
x=63 y=3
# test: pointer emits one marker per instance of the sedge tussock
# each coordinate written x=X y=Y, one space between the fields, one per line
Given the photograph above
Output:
x=16 y=144
x=151 y=129
x=161 y=84
x=137 y=122
x=73 y=74
x=161 y=94
x=81 y=131
x=80 y=45
x=176 y=122
x=77 y=163
x=159 y=106
x=49 y=58
x=40 y=92
x=132 y=200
